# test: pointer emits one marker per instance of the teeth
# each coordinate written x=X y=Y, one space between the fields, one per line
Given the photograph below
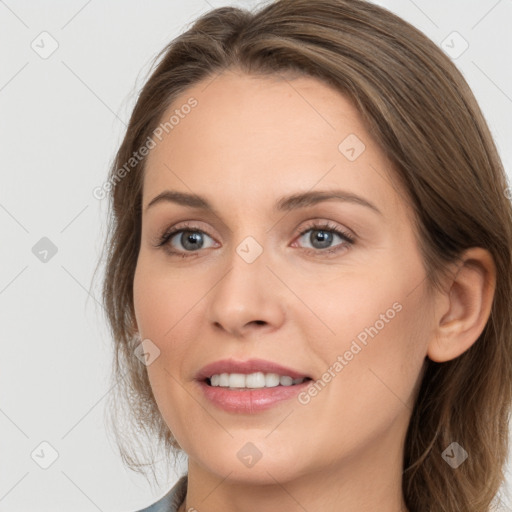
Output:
x=286 y=381
x=271 y=380
x=253 y=380
x=236 y=380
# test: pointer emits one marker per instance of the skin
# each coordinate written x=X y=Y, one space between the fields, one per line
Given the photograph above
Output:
x=249 y=141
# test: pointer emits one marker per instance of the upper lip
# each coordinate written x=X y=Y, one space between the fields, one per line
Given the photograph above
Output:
x=246 y=367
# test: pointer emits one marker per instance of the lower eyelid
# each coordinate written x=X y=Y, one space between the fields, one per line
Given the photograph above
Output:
x=345 y=244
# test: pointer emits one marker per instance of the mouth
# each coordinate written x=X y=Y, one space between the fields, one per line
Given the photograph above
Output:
x=249 y=374
x=256 y=380
x=250 y=386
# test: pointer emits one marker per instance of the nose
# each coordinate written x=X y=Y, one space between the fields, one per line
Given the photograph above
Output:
x=247 y=298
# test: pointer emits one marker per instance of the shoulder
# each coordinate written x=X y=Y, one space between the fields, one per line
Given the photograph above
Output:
x=172 y=500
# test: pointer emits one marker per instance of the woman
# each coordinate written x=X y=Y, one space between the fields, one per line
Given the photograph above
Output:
x=309 y=268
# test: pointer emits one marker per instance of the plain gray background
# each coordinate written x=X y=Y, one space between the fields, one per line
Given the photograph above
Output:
x=62 y=118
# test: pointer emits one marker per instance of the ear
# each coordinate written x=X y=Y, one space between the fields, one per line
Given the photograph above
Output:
x=465 y=308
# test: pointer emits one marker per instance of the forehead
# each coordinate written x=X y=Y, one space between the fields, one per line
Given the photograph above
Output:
x=252 y=133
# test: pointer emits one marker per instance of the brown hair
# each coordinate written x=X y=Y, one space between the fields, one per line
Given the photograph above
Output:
x=426 y=120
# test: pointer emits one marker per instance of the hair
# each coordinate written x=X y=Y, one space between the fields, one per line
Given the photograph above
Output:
x=423 y=115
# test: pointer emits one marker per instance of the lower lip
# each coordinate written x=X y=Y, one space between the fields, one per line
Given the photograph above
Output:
x=249 y=401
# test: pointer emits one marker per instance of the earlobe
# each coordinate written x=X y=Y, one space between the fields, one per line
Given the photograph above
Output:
x=470 y=294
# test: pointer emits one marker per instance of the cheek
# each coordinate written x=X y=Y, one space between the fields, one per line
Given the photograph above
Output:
x=160 y=299
x=159 y=305
x=385 y=372
x=375 y=389
x=393 y=347
x=168 y=313
x=380 y=328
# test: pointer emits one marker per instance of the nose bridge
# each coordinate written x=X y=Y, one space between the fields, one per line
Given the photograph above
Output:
x=247 y=292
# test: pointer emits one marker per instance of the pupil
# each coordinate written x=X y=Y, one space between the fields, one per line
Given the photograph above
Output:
x=324 y=237
x=192 y=238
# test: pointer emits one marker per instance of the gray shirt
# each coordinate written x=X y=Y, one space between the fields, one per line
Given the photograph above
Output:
x=172 y=500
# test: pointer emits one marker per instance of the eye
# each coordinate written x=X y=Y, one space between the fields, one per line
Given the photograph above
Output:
x=188 y=237
x=322 y=235
x=192 y=239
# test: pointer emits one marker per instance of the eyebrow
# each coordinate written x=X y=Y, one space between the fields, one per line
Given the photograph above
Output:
x=286 y=203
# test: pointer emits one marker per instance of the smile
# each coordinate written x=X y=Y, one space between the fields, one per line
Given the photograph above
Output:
x=256 y=380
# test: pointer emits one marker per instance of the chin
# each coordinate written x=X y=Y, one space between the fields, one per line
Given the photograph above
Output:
x=258 y=463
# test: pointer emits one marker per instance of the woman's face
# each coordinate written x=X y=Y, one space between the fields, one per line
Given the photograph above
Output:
x=345 y=305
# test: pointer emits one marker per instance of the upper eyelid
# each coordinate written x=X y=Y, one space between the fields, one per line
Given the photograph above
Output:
x=316 y=224
x=310 y=224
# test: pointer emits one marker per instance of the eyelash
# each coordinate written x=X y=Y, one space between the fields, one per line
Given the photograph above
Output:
x=348 y=239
